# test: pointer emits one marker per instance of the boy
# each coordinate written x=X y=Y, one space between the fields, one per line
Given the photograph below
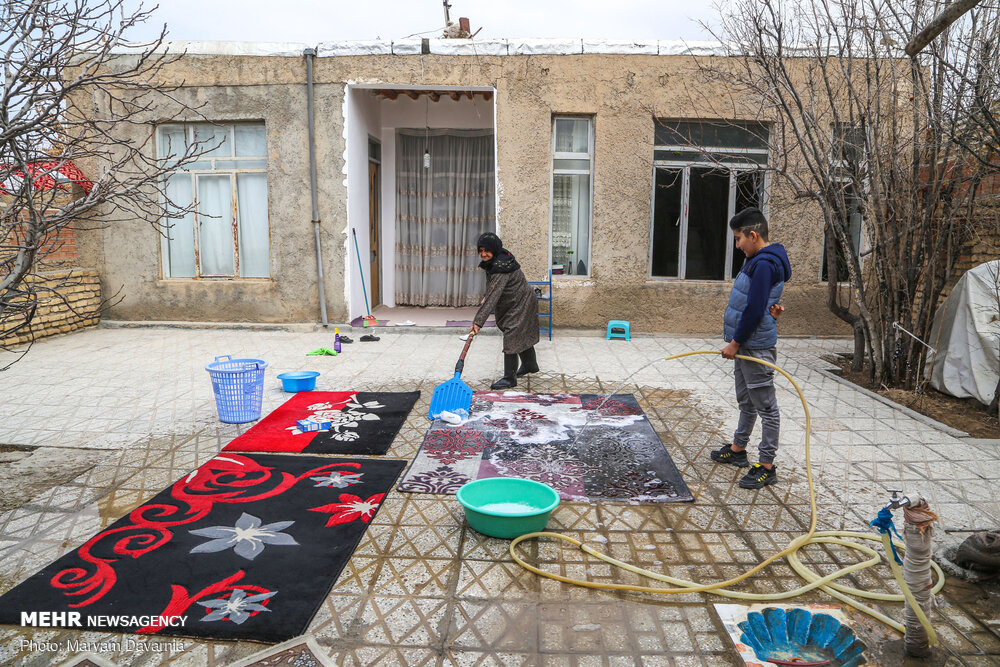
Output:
x=750 y=330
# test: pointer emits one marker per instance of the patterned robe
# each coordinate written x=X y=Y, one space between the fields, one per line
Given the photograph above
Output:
x=516 y=306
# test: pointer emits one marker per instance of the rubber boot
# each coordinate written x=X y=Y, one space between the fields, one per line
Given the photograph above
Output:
x=528 y=362
x=509 y=378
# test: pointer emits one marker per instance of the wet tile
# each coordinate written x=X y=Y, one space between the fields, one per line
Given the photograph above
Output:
x=423 y=588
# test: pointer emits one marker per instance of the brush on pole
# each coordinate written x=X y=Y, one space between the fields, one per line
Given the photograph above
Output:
x=369 y=320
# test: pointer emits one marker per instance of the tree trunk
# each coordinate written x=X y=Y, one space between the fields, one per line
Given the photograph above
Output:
x=858 y=363
x=833 y=303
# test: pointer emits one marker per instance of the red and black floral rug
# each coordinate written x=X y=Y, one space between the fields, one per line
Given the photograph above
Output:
x=246 y=547
x=360 y=423
x=579 y=444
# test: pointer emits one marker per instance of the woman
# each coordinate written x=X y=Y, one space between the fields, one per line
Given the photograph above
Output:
x=510 y=296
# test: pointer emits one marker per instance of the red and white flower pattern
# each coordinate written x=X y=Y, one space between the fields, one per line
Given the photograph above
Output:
x=343 y=418
x=351 y=508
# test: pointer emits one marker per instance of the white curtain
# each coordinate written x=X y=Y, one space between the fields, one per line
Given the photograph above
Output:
x=572 y=135
x=440 y=212
x=250 y=140
x=251 y=192
x=214 y=140
x=571 y=222
x=180 y=235
x=215 y=225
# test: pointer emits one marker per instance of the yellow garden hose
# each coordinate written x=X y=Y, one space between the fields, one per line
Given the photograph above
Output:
x=825 y=583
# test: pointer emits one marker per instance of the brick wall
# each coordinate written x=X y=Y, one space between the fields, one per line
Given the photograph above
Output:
x=75 y=299
x=79 y=306
x=59 y=250
x=984 y=246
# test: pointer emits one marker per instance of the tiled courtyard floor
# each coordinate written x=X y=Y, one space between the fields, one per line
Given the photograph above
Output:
x=118 y=414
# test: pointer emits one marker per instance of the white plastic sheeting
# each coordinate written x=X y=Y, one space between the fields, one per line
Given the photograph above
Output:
x=214 y=48
x=647 y=48
x=497 y=46
x=354 y=48
x=467 y=47
x=966 y=334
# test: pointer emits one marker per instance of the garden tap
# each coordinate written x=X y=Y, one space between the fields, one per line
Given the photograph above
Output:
x=896 y=500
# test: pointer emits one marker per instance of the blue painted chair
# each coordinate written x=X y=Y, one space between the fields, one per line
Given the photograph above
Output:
x=619 y=329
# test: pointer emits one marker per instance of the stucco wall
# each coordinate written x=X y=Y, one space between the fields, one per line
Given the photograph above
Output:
x=129 y=254
x=622 y=92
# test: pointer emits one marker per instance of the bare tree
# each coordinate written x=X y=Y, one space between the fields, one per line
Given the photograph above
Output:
x=951 y=13
x=70 y=77
x=860 y=128
x=976 y=82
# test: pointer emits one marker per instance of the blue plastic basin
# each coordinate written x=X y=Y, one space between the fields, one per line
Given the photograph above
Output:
x=507 y=507
x=298 y=380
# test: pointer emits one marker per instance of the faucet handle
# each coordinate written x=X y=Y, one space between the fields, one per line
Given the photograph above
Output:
x=897 y=499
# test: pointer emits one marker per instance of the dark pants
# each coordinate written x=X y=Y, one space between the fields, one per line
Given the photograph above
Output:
x=755 y=393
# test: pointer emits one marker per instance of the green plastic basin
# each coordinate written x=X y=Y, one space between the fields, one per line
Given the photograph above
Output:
x=507 y=507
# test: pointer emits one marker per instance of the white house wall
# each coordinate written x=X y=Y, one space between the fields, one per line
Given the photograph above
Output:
x=363 y=119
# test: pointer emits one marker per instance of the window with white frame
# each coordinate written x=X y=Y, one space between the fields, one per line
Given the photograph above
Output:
x=703 y=173
x=847 y=148
x=572 y=187
x=226 y=234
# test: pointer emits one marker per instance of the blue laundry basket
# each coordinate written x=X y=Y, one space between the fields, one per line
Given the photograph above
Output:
x=239 y=388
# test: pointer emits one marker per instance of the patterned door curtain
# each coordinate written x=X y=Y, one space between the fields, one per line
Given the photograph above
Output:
x=440 y=212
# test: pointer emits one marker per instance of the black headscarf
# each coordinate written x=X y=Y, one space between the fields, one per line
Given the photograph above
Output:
x=503 y=261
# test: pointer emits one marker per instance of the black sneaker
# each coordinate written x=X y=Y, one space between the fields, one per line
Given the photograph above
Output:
x=727 y=455
x=758 y=477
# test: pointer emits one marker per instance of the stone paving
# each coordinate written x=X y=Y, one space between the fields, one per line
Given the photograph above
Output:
x=117 y=414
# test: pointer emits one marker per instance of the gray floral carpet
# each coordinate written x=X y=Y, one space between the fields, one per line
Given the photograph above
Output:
x=584 y=446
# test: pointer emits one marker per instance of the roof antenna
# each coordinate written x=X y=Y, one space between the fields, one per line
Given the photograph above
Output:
x=447 y=17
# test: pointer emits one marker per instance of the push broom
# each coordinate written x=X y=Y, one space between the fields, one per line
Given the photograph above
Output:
x=369 y=319
x=453 y=394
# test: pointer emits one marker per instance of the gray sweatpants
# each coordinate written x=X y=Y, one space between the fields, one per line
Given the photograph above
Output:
x=755 y=393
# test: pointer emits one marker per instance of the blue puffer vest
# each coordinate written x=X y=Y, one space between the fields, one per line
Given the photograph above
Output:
x=766 y=334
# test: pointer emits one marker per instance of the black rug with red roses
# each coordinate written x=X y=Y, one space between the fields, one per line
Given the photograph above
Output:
x=246 y=547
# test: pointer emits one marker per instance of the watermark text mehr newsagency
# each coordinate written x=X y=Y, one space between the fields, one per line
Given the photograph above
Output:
x=75 y=619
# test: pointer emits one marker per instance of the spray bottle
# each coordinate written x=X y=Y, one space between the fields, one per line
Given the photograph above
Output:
x=336 y=340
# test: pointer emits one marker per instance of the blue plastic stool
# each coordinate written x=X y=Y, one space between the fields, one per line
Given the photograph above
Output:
x=623 y=325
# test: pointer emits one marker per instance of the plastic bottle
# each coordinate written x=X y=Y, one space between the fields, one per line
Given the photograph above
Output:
x=336 y=340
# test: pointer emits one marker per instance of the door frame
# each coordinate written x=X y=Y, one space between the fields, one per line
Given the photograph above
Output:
x=375 y=222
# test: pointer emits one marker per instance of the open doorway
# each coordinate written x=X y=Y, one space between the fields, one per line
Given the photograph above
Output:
x=445 y=199
x=428 y=191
